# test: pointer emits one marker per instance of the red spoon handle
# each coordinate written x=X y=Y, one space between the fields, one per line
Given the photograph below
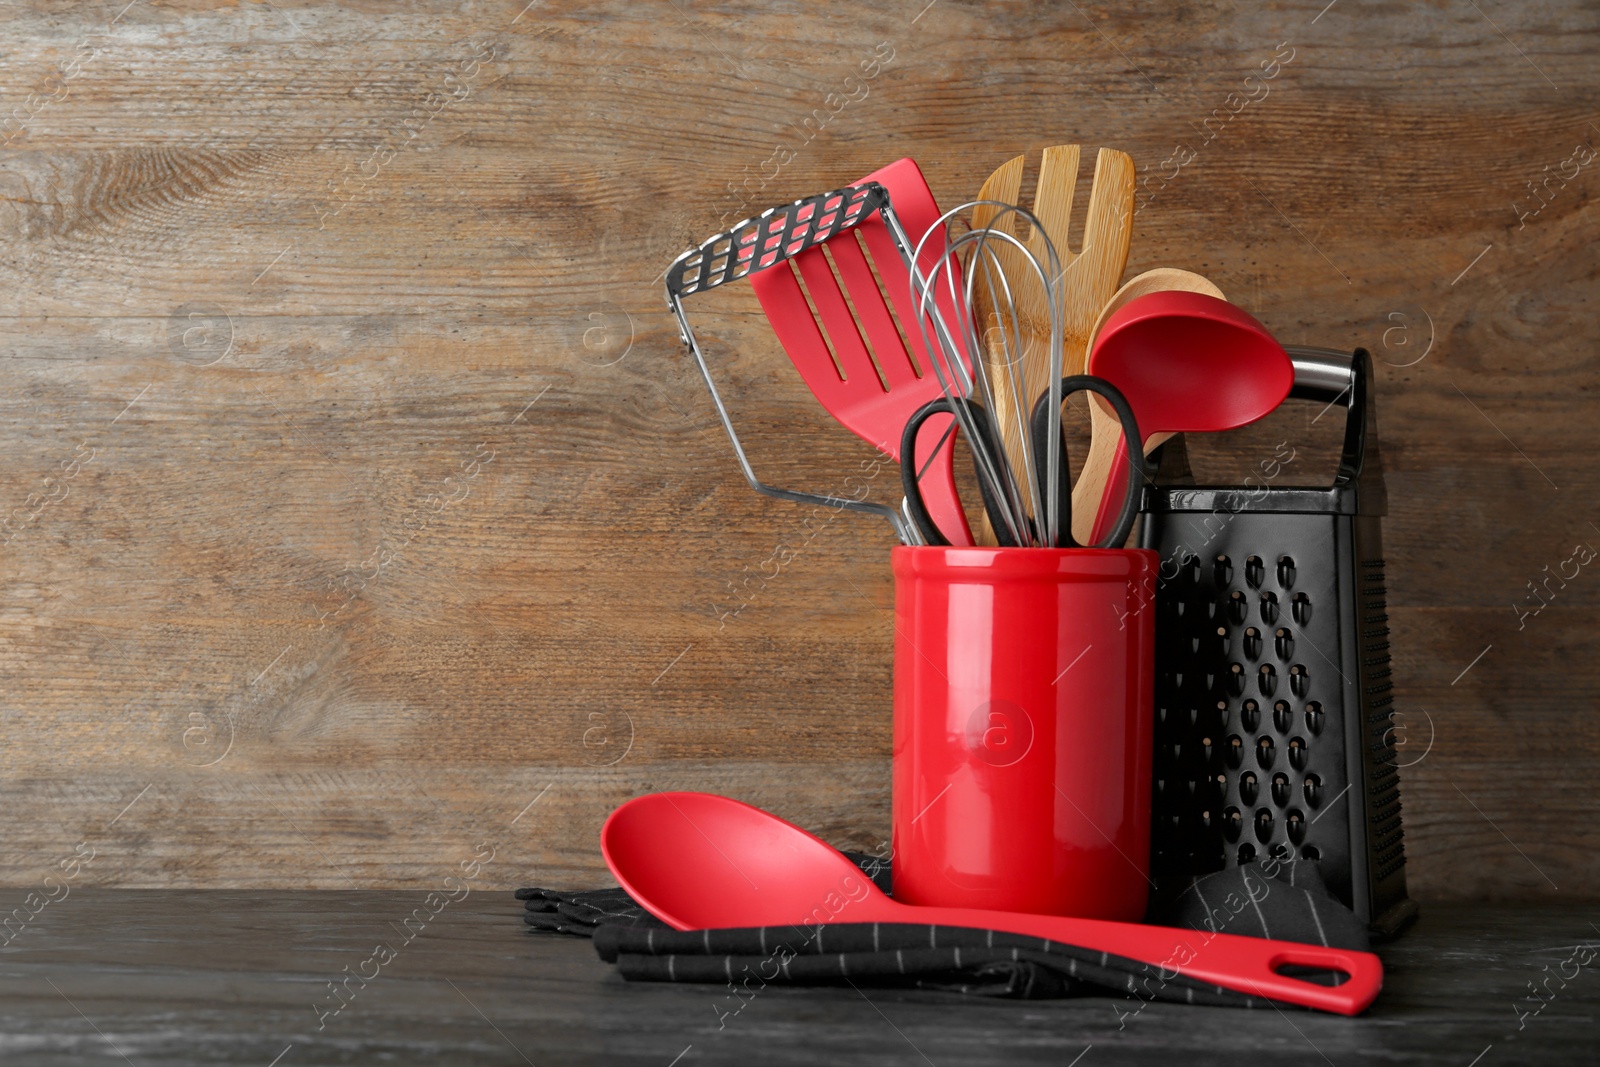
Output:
x=939 y=492
x=1111 y=497
x=1246 y=965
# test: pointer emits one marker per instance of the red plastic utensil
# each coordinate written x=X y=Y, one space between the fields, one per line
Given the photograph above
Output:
x=698 y=861
x=1188 y=363
x=874 y=410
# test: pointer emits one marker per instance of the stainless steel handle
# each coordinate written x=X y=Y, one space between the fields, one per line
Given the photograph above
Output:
x=1323 y=374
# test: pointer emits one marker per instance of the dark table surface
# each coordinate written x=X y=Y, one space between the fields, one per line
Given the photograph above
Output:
x=237 y=977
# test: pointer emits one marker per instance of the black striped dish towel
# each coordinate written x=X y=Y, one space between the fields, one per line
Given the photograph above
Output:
x=1289 y=903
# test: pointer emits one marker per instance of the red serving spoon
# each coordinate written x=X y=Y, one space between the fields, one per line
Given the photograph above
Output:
x=1188 y=363
x=703 y=862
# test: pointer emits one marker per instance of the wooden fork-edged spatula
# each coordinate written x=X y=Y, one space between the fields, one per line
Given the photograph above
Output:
x=1089 y=276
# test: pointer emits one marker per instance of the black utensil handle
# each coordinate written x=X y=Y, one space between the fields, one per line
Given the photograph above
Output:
x=930 y=531
x=1130 y=434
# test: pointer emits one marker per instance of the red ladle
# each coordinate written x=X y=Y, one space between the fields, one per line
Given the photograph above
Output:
x=1188 y=363
x=698 y=862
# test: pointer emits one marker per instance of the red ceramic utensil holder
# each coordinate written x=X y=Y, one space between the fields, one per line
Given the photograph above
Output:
x=1022 y=728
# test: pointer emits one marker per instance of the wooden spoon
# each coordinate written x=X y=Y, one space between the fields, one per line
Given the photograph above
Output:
x=1089 y=276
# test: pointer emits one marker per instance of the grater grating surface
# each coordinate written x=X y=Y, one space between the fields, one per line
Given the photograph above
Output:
x=1274 y=704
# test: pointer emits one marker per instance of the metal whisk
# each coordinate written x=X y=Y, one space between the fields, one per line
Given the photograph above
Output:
x=978 y=362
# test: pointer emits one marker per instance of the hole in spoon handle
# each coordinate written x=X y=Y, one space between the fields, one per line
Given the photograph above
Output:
x=1261 y=973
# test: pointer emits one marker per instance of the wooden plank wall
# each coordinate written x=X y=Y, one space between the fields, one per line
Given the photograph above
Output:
x=363 y=505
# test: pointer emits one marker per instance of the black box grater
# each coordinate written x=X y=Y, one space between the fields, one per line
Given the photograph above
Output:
x=1274 y=732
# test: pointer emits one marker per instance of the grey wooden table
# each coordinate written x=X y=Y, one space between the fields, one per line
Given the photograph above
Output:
x=235 y=977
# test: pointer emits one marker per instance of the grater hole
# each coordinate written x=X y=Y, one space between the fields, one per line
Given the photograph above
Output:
x=1267 y=680
x=1250 y=715
x=1222 y=572
x=1235 y=751
x=1248 y=787
x=1252 y=643
x=1301 y=607
x=1281 y=716
x=1297 y=753
x=1296 y=823
x=1280 y=789
x=1232 y=823
x=1238 y=608
x=1255 y=571
x=1283 y=643
x=1236 y=678
x=1263 y=825
x=1247 y=853
x=1314 y=717
x=1285 y=571
x=1299 y=681
x=1312 y=788
x=1269 y=608
x=1266 y=752
x=1190 y=569
x=1311 y=852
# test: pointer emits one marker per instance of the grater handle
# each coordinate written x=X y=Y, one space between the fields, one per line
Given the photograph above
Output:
x=1326 y=375
x=1319 y=373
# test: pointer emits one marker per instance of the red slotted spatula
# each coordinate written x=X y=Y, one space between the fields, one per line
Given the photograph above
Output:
x=858 y=325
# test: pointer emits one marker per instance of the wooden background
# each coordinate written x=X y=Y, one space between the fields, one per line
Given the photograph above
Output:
x=363 y=506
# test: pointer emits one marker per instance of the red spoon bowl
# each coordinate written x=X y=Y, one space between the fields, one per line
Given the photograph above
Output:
x=703 y=862
x=1188 y=363
x=1195 y=362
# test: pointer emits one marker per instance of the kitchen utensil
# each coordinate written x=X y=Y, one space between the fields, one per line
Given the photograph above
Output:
x=1087 y=279
x=945 y=290
x=1187 y=362
x=1029 y=480
x=965 y=413
x=1156 y=280
x=1102 y=420
x=1022 y=729
x=699 y=861
x=1041 y=435
x=860 y=290
x=754 y=247
x=1275 y=737
x=955 y=348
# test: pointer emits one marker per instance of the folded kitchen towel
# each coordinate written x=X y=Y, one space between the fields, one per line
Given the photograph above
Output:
x=1286 y=901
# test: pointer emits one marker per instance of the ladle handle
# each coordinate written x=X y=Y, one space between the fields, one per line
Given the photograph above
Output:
x=1248 y=965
